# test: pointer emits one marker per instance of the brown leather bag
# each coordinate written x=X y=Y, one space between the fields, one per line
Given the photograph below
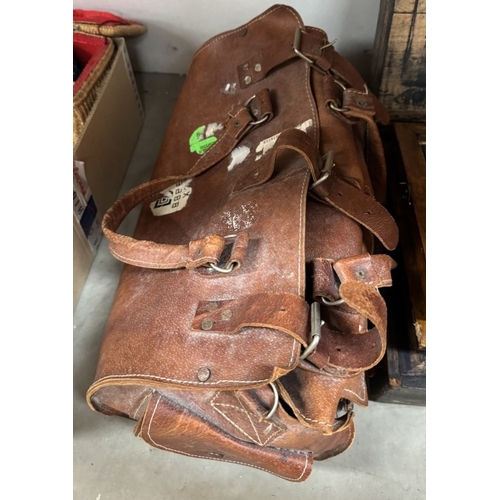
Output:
x=249 y=311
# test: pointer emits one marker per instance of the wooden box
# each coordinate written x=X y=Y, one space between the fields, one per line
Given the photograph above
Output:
x=399 y=80
x=398 y=74
x=401 y=377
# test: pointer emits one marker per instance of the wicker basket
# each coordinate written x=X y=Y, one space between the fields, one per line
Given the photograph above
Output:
x=96 y=55
x=105 y=24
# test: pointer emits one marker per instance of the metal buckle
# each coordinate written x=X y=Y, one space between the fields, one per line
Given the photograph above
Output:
x=344 y=88
x=296 y=46
x=332 y=302
x=257 y=122
x=333 y=42
x=222 y=269
x=272 y=411
x=231 y=266
x=326 y=171
x=316 y=324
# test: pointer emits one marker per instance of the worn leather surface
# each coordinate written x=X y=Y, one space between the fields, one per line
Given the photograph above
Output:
x=241 y=231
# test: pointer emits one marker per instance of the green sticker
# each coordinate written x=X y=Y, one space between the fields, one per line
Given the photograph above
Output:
x=198 y=143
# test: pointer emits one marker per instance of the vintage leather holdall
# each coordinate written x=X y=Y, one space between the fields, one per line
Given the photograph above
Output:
x=249 y=311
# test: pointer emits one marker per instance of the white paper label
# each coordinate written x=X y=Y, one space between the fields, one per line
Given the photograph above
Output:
x=174 y=198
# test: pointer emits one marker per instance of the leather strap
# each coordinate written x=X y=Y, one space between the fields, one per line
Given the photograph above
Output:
x=375 y=158
x=313 y=46
x=371 y=269
x=169 y=426
x=374 y=270
x=314 y=395
x=285 y=312
x=361 y=207
x=350 y=352
x=199 y=252
x=293 y=139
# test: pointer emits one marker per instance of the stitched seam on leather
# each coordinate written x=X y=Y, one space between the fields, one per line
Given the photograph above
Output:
x=311 y=28
x=294 y=15
x=309 y=98
x=293 y=354
x=155 y=377
x=315 y=421
x=257 y=441
x=241 y=408
x=357 y=395
x=251 y=421
x=243 y=27
x=221 y=460
x=312 y=420
x=249 y=418
x=301 y=235
x=142 y=403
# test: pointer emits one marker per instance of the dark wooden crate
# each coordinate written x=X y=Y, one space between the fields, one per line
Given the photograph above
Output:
x=398 y=73
x=401 y=376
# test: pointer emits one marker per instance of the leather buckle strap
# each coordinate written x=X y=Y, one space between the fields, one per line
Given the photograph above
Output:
x=316 y=324
x=297 y=45
x=307 y=45
x=326 y=171
x=361 y=207
x=283 y=312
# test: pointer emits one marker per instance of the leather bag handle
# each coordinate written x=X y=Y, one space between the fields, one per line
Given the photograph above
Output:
x=200 y=252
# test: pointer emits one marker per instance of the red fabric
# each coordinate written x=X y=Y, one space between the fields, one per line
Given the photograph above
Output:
x=88 y=50
x=99 y=17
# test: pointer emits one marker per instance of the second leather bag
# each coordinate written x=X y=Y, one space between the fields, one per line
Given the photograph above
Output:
x=249 y=311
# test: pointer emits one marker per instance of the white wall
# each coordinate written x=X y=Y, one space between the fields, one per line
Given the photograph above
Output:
x=176 y=28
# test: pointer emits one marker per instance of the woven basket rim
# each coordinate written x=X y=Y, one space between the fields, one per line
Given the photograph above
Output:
x=95 y=74
x=108 y=30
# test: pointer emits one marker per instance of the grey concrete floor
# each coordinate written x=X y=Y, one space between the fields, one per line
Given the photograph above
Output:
x=387 y=460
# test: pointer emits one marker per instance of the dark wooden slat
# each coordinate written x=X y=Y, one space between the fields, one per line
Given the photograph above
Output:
x=398 y=74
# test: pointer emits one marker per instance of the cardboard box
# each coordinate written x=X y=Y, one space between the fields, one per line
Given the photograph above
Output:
x=105 y=148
